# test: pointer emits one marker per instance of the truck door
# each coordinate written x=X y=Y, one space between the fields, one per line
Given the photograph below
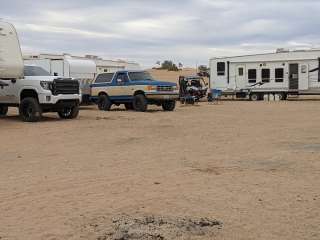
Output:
x=294 y=76
x=7 y=91
x=3 y=87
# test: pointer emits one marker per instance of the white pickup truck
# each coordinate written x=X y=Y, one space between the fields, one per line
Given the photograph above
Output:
x=30 y=88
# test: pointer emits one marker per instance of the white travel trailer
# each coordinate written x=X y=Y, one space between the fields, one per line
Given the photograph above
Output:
x=282 y=73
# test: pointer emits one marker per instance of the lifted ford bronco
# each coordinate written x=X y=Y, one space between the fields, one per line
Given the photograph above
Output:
x=31 y=88
x=134 y=89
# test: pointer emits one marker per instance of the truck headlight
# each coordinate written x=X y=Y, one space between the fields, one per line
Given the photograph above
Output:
x=46 y=85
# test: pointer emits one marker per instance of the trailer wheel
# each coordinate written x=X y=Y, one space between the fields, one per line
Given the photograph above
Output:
x=3 y=111
x=255 y=97
x=104 y=103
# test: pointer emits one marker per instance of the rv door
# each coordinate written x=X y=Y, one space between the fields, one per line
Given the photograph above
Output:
x=11 y=62
x=240 y=76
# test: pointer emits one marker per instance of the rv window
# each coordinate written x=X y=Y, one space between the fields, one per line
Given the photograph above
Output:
x=221 y=68
x=304 y=69
x=265 y=75
x=279 y=74
x=240 y=71
x=104 y=78
x=252 y=75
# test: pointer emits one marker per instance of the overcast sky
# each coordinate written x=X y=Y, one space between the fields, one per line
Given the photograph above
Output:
x=188 y=31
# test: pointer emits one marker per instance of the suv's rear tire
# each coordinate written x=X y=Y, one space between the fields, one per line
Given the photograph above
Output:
x=69 y=112
x=30 y=110
x=128 y=106
x=140 y=103
x=104 y=103
x=3 y=111
x=169 y=105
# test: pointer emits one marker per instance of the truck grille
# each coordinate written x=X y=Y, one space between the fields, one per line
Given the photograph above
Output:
x=65 y=86
x=164 y=88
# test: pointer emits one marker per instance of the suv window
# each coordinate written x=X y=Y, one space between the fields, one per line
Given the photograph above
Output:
x=123 y=77
x=104 y=78
x=140 y=76
x=35 y=71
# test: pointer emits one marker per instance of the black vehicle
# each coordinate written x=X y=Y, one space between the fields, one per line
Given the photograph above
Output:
x=192 y=89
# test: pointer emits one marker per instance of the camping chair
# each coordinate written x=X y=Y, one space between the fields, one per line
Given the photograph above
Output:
x=214 y=96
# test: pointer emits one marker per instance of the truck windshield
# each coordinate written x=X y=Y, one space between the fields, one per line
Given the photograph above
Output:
x=35 y=71
x=140 y=76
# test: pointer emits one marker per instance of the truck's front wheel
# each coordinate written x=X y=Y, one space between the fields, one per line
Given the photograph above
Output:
x=30 y=110
x=169 y=105
x=69 y=112
x=140 y=103
x=3 y=111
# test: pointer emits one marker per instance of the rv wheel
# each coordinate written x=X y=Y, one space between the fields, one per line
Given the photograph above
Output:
x=254 y=97
x=3 y=111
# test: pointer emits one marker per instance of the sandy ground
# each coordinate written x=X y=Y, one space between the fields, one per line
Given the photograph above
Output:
x=254 y=167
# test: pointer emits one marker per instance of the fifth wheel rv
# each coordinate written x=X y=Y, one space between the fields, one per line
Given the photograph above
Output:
x=30 y=88
x=282 y=73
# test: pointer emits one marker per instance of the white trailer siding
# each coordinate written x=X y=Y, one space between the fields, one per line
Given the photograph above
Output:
x=11 y=63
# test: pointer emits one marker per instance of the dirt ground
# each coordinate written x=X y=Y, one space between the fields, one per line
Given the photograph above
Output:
x=252 y=168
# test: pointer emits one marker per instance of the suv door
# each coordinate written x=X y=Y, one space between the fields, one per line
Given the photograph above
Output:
x=122 y=85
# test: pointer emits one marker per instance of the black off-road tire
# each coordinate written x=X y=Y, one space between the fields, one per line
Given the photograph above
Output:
x=104 y=103
x=30 y=110
x=3 y=111
x=169 y=106
x=128 y=106
x=69 y=112
x=140 y=103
